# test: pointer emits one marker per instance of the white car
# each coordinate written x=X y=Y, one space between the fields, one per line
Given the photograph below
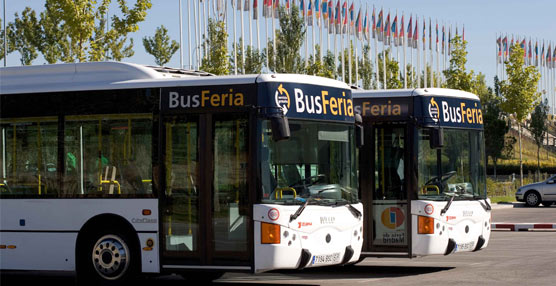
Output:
x=536 y=193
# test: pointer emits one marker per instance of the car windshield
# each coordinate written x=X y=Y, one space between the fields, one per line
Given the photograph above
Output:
x=455 y=170
x=318 y=163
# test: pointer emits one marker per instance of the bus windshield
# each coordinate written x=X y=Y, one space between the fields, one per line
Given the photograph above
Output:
x=455 y=170
x=317 y=163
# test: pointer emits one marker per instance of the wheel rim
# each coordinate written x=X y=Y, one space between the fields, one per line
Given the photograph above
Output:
x=532 y=199
x=110 y=257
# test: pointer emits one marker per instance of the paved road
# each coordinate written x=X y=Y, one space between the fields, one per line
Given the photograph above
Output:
x=518 y=213
x=512 y=258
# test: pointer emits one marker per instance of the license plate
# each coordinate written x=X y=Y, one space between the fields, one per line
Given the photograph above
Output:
x=326 y=258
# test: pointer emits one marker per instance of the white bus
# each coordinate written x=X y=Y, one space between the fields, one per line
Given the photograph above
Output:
x=423 y=173
x=114 y=169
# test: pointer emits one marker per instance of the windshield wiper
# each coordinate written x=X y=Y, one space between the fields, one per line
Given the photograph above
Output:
x=445 y=209
x=486 y=205
x=300 y=209
x=355 y=212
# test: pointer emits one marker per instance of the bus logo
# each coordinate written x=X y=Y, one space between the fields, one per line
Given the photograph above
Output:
x=434 y=110
x=282 y=98
x=273 y=214
x=392 y=217
x=429 y=209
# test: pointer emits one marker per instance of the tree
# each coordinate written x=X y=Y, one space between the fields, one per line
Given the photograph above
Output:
x=160 y=46
x=24 y=35
x=9 y=45
x=217 y=61
x=392 y=70
x=366 y=68
x=456 y=75
x=538 y=128
x=285 y=57
x=254 y=60
x=78 y=30
x=497 y=144
x=519 y=92
x=321 y=68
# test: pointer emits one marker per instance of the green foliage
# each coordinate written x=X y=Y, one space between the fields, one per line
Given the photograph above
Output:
x=160 y=46
x=456 y=75
x=497 y=144
x=392 y=70
x=318 y=67
x=254 y=60
x=285 y=57
x=24 y=35
x=538 y=127
x=78 y=31
x=217 y=61
x=520 y=89
x=366 y=69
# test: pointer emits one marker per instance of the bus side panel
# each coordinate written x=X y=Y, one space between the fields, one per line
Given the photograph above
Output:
x=40 y=234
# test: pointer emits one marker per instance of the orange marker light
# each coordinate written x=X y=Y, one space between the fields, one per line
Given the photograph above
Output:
x=270 y=233
x=425 y=225
x=147 y=212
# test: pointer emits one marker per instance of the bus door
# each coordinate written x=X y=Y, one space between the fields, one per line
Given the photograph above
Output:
x=385 y=189
x=205 y=208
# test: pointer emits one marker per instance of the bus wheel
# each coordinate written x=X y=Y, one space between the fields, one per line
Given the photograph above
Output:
x=532 y=199
x=108 y=259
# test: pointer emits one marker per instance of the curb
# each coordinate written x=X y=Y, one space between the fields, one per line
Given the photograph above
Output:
x=523 y=226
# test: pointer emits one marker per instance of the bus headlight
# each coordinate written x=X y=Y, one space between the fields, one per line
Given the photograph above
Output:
x=425 y=225
x=270 y=233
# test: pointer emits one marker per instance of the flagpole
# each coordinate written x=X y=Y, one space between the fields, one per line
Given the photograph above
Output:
x=431 y=54
x=256 y=12
x=305 y=20
x=437 y=61
x=205 y=27
x=313 y=30
x=425 y=52
x=404 y=55
x=241 y=9
x=418 y=44
x=342 y=45
x=319 y=20
x=273 y=34
x=235 y=36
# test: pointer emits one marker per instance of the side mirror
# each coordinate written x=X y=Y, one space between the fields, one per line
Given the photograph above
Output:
x=359 y=131
x=436 y=138
x=280 y=127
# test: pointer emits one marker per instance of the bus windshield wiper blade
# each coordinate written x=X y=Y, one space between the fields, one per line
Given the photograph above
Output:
x=445 y=209
x=356 y=213
x=300 y=209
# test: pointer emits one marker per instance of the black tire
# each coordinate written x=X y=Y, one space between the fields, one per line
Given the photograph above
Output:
x=108 y=257
x=547 y=204
x=532 y=199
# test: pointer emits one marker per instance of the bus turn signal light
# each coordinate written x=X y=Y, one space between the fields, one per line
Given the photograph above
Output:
x=425 y=225
x=270 y=233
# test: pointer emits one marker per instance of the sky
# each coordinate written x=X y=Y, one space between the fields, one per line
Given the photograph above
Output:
x=483 y=21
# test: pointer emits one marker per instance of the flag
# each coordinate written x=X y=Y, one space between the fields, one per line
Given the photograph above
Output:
x=387 y=29
x=424 y=34
x=351 y=19
x=255 y=10
x=536 y=53
x=522 y=46
x=379 y=27
x=402 y=32
x=366 y=25
x=302 y=8
x=499 y=50
x=325 y=11
x=374 y=23
x=310 y=13
x=338 y=20
x=410 y=32
x=430 y=34
x=505 y=44
x=246 y=6
x=288 y=4
x=437 y=36
x=317 y=11
x=416 y=33
x=530 y=55
x=345 y=16
x=238 y=2
x=449 y=40
x=554 y=58
x=463 y=33
x=359 y=25
x=331 y=22
x=542 y=55
x=443 y=38
x=395 y=30
x=275 y=9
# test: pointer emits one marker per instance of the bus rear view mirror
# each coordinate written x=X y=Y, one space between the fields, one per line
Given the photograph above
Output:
x=437 y=138
x=280 y=127
x=359 y=131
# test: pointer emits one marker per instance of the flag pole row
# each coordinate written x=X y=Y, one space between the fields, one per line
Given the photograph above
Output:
x=335 y=26
x=540 y=53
